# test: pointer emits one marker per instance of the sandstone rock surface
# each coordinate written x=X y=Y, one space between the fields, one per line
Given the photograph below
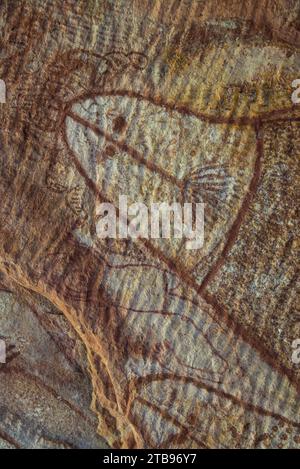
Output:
x=182 y=100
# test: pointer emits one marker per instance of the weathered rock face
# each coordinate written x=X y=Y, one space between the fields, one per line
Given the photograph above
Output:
x=45 y=391
x=187 y=102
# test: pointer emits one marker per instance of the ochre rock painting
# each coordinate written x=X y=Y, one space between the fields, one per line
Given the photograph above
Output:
x=186 y=101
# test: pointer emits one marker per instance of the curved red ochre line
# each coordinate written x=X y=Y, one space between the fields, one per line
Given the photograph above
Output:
x=178 y=268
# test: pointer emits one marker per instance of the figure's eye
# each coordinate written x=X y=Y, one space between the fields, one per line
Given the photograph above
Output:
x=110 y=150
x=119 y=124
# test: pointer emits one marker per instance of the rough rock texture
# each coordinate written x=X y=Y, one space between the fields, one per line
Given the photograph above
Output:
x=161 y=101
x=44 y=387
